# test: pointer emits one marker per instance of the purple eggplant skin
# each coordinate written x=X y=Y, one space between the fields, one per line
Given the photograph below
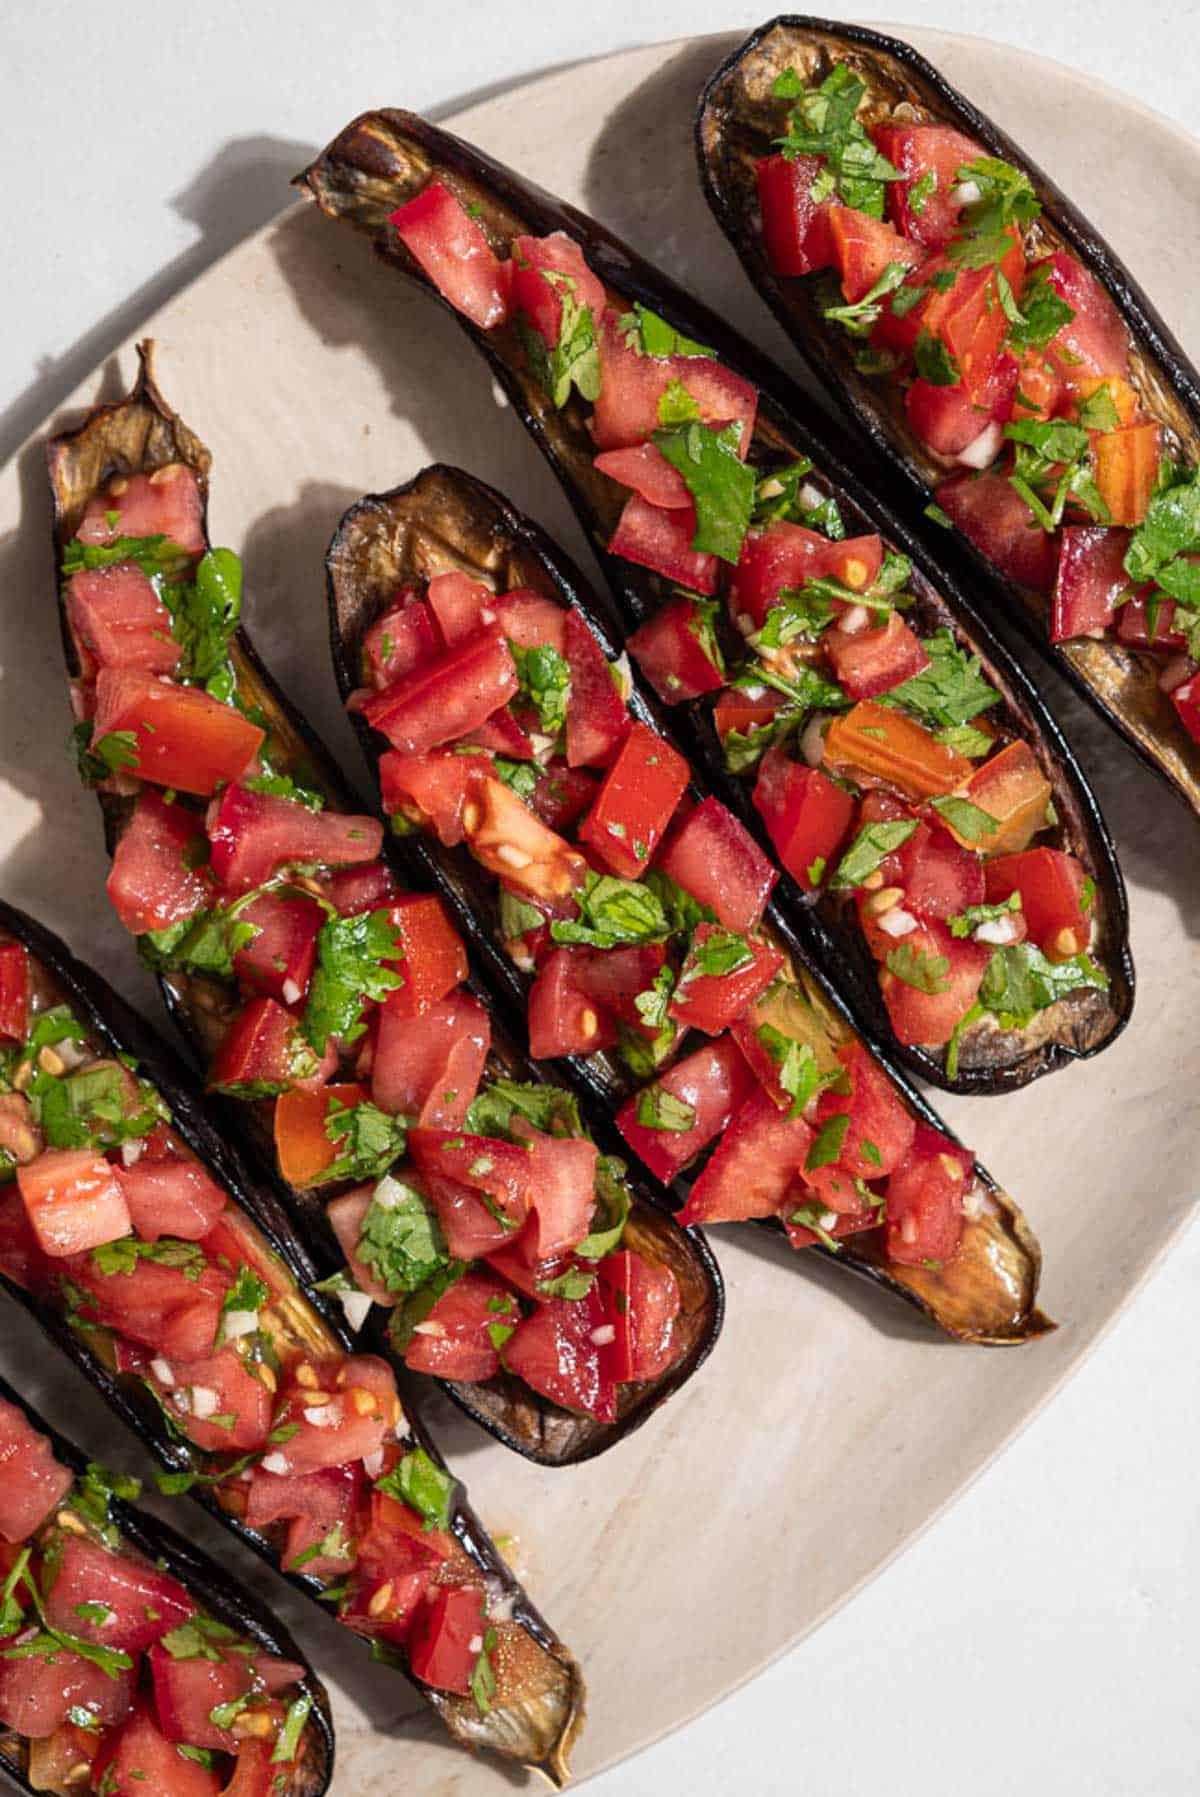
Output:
x=141 y=432
x=446 y=519
x=734 y=126
x=120 y=1029
x=213 y=1591
x=383 y=159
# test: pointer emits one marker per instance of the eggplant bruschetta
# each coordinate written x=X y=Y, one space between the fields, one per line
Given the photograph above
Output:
x=993 y=346
x=131 y=1233
x=629 y=913
x=850 y=712
x=127 y=1662
x=330 y=1009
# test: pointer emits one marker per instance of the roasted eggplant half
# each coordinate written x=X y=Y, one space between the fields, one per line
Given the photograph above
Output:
x=1062 y=474
x=137 y=1240
x=331 y=1010
x=137 y=1696
x=845 y=693
x=677 y=997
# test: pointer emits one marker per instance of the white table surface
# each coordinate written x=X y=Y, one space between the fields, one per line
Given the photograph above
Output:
x=1045 y=1632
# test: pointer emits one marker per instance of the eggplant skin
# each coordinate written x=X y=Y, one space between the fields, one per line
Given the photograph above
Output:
x=446 y=519
x=736 y=120
x=539 y=1731
x=141 y=432
x=213 y=1590
x=383 y=158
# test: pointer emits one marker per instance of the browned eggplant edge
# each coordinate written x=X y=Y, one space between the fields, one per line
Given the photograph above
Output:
x=530 y=1425
x=213 y=1589
x=1002 y=1255
x=834 y=949
x=1157 y=738
x=123 y=1030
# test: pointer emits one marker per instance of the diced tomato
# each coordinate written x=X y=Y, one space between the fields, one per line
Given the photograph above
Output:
x=1090 y=579
x=1095 y=341
x=236 y=1392
x=186 y=1691
x=429 y=1067
x=562 y=794
x=642 y=1302
x=73 y=1200
x=1186 y=700
x=454 y=1341
x=405 y=637
x=303 y=1146
x=530 y=619
x=562 y=1187
x=950 y=420
x=172 y=1309
x=539 y=297
x=925 y=1200
x=120 y=621
x=353 y=890
x=795 y=227
x=1134 y=620
x=501 y=735
x=736 y=710
x=344 y=1417
x=1011 y=787
x=434 y=957
x=441 y=1654
x=635 y=802
x=838 y=1224
x=863 y=247
x=142 y=1759
x=715 y=858
x=170 y=1197
x=714 y=1082
x=345 y=1216
x=992 y=515
x=939 y=876
x=157 y=878
x=1039 y=389
x=167 y=503
x=597 y=721
x=38 y=1694
x=931 y=155
x=254 y=834
x=180 y=736
x=21 y=1257
x=1125 y=462
x=434 y=786
x=759 y=1158
x=922 y=1018
x=613 y=977
x=632 y=384
x=32 y=1482
x=869 y=662
x=141 y=1603
x=234 y=1241
x=711 y=1001
x=645 y=469
x=451 y=248
x=457 y=602
x=563 y=1018
x=781 y=1012
x=808 y=816
x=787 y=555
x=471 y=1229
x=265 y=1051
x=966 y=316
x=280 y=959
x=444 y=699
x=511 y=842
x=554 y=1352
x=661 y=540
x=879 y=1133
x=14 y=992
x=503 y=1170
x=885 y=745
x=324 y=1498
x=671 y=651
x=1051 y=885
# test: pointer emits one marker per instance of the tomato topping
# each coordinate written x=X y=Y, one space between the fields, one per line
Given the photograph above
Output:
x=303 y=1146
x=869 y=662
x=535 y=260
x=1186 y=700
x=555 y=1352
x=711 y=1001
x=441 y=1653
x=642 y=1304
x=925 y=1200
x=1012 y=789
x=166 y=503
x=1125 y=462
x=795 y=227
x=119 y=620
x=457 y=603
x=172 y=1197
x=646 y=470
x=445 y=699
x=451 y=248
x=229 y=1391
x=671 y=650
x=562 y=1186
x=863 y=247
x=1095 y=341
x=157 y=878
x=32 y=1482
x=434 y=786
x=613 y=977
x=885 y=745
x=808 y=816
x=1134 y=620
x=38 y=1694
x=254 y=834
x=455 y=1340
x=510 y=841
x=736 y=710
x=173 y=735
x=661 y=540
x=940 y=878
x=564 y=1018
x=471 y=1229
x=343 y=1417
x=597 y=721
x=635 y=802
x=714 y=857
x=562 y=794
x=429 y=1067
x=632 y=384
x=264 y=1050
x=1051 y=885
x=345 y=1216
x=142 y=1604
x=950 y=420
x=787 y=555
x=836 y=1223
x=754 y=1166
x=353 y=890
x=1090 y=579
x=187 y=1691
x=280 y=959
x=932 y=156
x=405 y=637
x=14 y=992
x=992 y=515
x=921 y=1018
x=434 y=956
x=502 y=735
x=73 y=1200
x=503 y=1170
x=880 y=1130
x=702 y=1093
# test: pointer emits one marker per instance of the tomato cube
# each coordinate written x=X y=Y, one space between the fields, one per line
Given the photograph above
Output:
x=38 y=1694
x=304 y=1148
x=757 y=1162
x=1186 y=700
x=181 y=736
x=645 y=469
x=562 y=794
x=632 y=385
x=1136 y=616
x=597 y=720
x=863 y=247
x=455 y=1341
x=931 y=156
x=512 y=843
x=403 y=638
x=880 y=1129
x=33 y=1481
x=635 y=802
x=225 y=1386
x=788 y=555
x=714 y=857
x=938 y=875
x=362 y=1410
x=452 y=250
x=470 y=1227
x=119 y=621
x=642 y=1304
x=925 y=1200
x=157 y=877
x=444 y=699
x=951 y=420
x=172 y=1196
x=430 y=789
x=562 y=1187
x=141 y=1603
x=531 y=620
x=353 y=890
x=672 y=649
x=808 y=816
x=929 y=1018
x=1090 y=579
x=555 y=1352
x=14 y=992
x=280 y=959
x=264 y=1051
x=501 y=1170
x=869 y=662
x=1126 y=462
x=703 y=1090
x=187 y=1691
x=73 y=1200
x=441 y=1653
x=433 y=956
x=1095 y=341
x=543 y=269
x=661 y=540
x=1011 y=787
x=992 y=515
x=795 y=228
x=564 y=1019
x=711 y=1001
x=254 y=834
x=429 y=1067
x=1051 y=885
x=893 y=748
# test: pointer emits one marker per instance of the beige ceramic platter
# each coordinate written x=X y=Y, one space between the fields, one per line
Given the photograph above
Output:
x=315 y=375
